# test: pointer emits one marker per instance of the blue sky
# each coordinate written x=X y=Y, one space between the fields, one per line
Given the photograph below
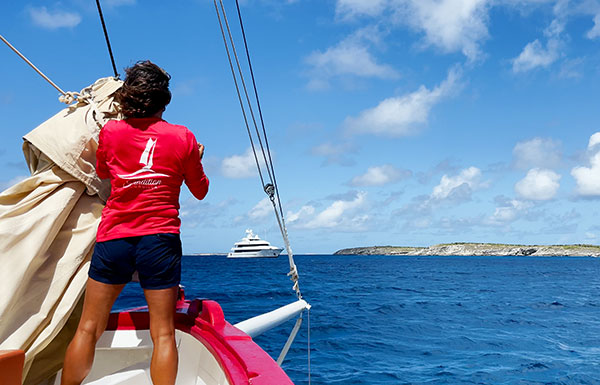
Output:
x=392 y=122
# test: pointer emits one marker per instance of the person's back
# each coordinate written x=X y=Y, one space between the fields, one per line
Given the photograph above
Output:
x=147 y=160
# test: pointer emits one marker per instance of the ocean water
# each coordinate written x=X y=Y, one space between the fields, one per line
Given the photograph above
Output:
x=417 y=320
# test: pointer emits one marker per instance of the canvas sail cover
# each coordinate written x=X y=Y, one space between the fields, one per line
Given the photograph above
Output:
x=48 y=225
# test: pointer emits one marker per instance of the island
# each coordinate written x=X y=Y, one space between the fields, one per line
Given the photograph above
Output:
x=478 y=249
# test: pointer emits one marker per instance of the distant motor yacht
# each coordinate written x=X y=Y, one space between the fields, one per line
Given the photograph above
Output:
x=251 y=246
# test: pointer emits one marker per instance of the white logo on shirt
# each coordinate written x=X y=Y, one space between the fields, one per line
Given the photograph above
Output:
x=146 y=159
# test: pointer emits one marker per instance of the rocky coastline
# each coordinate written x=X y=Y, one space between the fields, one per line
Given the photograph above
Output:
x=478 y=249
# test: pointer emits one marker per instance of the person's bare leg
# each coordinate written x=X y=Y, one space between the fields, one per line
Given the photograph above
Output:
x=99 y=299
x=161 y=305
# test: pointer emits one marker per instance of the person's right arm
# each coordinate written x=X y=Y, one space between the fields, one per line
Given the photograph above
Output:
x=194 y=175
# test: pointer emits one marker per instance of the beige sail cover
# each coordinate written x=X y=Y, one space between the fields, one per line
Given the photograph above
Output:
x=48 y=225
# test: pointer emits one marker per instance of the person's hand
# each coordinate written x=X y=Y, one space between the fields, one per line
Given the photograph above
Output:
x=201 y=150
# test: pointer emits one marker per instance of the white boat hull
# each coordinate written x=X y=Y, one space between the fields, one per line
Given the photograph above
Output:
x=265 y=253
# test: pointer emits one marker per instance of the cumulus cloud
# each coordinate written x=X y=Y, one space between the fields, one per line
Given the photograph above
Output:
x=537 y=153
x=380 y=175
x=44 y=18
x=240 y=166
x=588 y=178
x=458 y=186
x=594 y=140
x=538 y=185
x=352 y=57
x=341 y=214
x=403 y=115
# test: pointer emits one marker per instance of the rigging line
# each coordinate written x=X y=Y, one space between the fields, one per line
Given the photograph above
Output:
x=308 y=342
x=246 y=91
x=280 y=220
x=262 y=122
x=293 y=269
x=32 y=66
x=112 y=58
x=237 y=88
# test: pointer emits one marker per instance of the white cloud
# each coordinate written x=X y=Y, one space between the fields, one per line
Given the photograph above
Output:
x=380 y=175
x=538 y=185
x=535 y=55
x=594 y=140
x=240 y=166
x=588 y=178
x=341 y=214
x=462 y=25
x=467 y=178
x=450 y=25
x=305 y=211
x=537 y=152
x=261 y=210
x=508 y=212
x=349 y=57
x=595 y=31
x=401 y=116
x=55 y=19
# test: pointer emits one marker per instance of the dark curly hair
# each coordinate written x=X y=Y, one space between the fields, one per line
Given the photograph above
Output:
x=145 y=90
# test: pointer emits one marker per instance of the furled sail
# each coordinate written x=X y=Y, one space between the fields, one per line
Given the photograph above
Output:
x=48 y=225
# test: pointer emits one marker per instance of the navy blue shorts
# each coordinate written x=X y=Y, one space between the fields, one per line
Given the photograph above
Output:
x=156 y=257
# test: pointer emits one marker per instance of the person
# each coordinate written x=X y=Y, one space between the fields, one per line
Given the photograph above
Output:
x=147 y=160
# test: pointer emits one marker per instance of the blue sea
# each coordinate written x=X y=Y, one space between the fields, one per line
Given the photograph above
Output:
x=417 y=320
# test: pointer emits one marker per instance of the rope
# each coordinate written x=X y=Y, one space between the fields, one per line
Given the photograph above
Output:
x=262 y=122
x=237 y=88
x=308 y=341
x=32 y=66
x=112 y=58
x=271 y=188
x=245 y=91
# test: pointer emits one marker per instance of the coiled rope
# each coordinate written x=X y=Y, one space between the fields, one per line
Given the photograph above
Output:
x=270 y=188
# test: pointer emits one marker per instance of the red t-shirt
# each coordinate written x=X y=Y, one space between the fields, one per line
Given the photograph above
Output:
x=147 y=160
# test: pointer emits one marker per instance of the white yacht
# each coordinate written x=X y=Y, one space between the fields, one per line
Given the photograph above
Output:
x=251 y=246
